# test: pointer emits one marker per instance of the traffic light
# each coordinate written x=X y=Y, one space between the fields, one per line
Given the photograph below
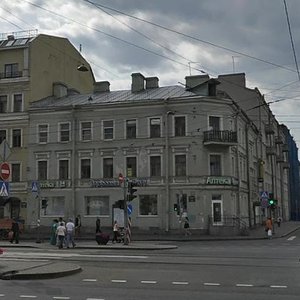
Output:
x=44 y=203
x=271 y=201
x=131 y=191
x=176 y=208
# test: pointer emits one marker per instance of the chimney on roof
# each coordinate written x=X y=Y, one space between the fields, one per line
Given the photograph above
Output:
x=238 y=79
x=194 y=80
x=10 y=37
x=59 y=90
x=138 y=82
x=152 y=82
x=101 y=86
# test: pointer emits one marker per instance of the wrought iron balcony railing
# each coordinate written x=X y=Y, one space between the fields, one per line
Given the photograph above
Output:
x=221 y=137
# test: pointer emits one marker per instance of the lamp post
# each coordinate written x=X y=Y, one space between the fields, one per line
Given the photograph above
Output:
x=167 y=183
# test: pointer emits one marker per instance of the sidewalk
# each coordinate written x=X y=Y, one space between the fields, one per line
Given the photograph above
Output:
x=42 y=269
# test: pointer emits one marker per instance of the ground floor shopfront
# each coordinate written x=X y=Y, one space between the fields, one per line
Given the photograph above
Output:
x=206 y=202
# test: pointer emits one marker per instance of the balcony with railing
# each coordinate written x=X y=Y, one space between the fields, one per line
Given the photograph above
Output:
x=269 y=129
x=7 y=75
x=220 y=137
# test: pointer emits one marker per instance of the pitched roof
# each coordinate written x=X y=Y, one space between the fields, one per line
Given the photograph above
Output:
x=111 y=97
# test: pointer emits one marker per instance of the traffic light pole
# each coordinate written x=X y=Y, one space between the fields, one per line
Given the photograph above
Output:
x=126 y=242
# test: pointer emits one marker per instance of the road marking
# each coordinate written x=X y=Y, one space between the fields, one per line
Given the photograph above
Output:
x=278 y=286
x=291 y=238
x=244 y=285
x=89 y=280
x=149 y=281
x=27 y=296
x=211 y=283
x=61 y=298
x=94 y=299
x=180 y=282
x=119 y=280
x=2 y=295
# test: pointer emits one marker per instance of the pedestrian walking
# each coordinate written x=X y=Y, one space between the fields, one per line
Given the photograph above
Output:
x=70 y=230
x=269 y=228
x=98 y=225
x=15 y=232
x=61 y=232
x=53 y=237
x=186 y=227
x=77 y=225
x=279 y=221
x=115 y=232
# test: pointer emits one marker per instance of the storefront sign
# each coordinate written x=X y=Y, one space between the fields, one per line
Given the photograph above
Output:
x=100 y=183
x=103 y=183
x=54 y=184
x=221 y=181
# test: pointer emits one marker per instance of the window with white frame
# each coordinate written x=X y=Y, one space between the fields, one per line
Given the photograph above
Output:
x=15 y=172
x=108 y=130
x=97 y=205
x=2 y=135
x=16 y=138
x=86 y=131
x=55 y=206
x=131 y=129
x=148 y=205
x=155 y=166
x=155 y=127
x=18 y=102
x=42 y=170
x=179 y=126
x=108 y=167
x=3 y=103
x=180 y=165
x=63 y=169
x=215 y=165
x=43 y=130
x=131 y=167
x=85 y=168
x=64 y=132
x=214 y=123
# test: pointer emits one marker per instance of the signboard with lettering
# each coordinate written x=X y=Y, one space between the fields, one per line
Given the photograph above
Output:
x=214 y=180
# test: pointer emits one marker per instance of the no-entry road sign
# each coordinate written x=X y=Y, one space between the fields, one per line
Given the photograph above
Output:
x=4 y=171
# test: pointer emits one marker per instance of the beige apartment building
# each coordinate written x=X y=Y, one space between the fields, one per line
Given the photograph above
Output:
x=30 y=66
x=190 y=151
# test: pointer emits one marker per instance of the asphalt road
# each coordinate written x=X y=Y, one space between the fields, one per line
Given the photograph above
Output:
x=262 y=269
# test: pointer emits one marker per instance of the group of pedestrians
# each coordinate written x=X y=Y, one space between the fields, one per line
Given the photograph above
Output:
x=62 y=233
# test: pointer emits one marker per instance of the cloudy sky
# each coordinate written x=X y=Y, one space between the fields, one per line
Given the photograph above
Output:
x=172 y=39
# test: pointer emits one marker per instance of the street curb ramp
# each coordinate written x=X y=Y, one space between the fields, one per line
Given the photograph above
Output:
x=47 y=271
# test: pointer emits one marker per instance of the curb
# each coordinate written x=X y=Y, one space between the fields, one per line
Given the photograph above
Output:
x=22 y=275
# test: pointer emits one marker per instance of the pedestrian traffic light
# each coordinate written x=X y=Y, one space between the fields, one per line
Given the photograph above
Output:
x=176 y=208
x=131 y=191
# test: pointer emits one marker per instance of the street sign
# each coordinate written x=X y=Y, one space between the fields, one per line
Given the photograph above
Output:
x=4 y=189
x=264 y=195
x=129 y=209
x=121 y=178
x=4 y=171
x=34 y=187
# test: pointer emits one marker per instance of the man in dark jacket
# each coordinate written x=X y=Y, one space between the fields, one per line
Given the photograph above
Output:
x=16 y=232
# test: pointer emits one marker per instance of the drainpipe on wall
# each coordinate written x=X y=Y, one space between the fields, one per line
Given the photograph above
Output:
x=73 y=165
x=248 y=174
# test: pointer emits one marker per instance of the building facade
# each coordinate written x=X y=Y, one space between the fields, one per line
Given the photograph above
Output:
x=30 y=65
x=190 y=151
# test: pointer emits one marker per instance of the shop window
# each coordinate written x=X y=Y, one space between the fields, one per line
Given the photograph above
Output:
x=148 y=205
x=97 y=205
x=55 y=206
